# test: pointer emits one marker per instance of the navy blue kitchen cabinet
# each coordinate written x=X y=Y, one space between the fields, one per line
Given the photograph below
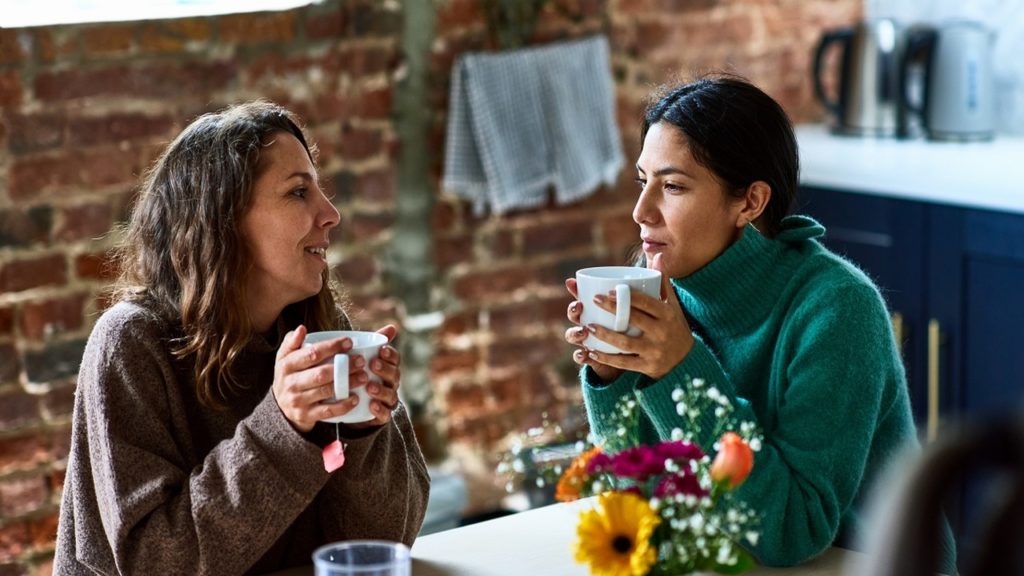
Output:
x=953 y=279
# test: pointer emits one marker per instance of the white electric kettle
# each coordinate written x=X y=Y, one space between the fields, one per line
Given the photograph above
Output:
x=959 y=89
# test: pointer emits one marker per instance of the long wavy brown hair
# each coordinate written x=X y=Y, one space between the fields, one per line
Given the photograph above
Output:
x=183 y=253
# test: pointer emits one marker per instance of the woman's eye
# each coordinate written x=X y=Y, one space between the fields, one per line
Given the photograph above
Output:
x=673 y=187
x=640 y=182
x=300 y=192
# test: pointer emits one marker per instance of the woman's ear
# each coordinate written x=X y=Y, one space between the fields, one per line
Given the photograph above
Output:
x=753 y=203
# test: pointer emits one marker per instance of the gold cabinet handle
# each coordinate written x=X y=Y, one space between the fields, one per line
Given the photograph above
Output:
x=934 y=338
x=897 y=330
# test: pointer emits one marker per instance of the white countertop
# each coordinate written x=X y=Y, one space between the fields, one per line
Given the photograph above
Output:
x=539 y=542
x=976 y=174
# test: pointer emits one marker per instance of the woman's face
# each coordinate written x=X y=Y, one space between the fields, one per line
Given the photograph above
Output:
x=683 y=212
x=286 y=230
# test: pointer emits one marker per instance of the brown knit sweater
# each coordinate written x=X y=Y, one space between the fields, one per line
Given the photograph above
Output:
x=158 y=484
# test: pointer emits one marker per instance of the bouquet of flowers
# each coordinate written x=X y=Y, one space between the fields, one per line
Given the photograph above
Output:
x=666 y=508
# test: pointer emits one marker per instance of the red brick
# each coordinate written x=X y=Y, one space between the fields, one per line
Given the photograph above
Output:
x=24 y=274
x=10 y=88
x=357 y=270
x=43 y=531
x=23 y=452
x=118 y=128
x=536 y=351
x=359 y=61
x=14 y=537
x=25 y=227
x=10 y=368
x=92 y=266
x=458 y=324
x=257 y=28
x=361 y=143
x=21 y=495
x=60 y=445
x=369 y=225
x=450 y=360
x=10 y=48
x=58 y=402
x=464 y=400
x=376 y=186
x=555 y=237
x=494 y=284
x=458 y=14
x=619 y=231
x=6 y=321
x=445 y=216
x=44 y=319
x=84 y=222
x=18 y=409
x=170 y=36
x=514 y=318
x=375 y=104
x=521 y=389
x=163 y=81
x=40 y=176
x=36 y=132
x=108 y=40
x=54 y=43
x=453 y=250
x=321 y=24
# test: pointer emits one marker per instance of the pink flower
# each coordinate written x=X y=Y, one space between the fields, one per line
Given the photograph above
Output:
x=679 y=451
x=682 y=484
x=639 y=463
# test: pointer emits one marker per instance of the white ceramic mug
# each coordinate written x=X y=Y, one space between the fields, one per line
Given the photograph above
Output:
x=365 y=344
x=622 y=280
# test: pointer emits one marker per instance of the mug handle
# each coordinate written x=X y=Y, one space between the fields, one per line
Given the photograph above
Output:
x=622 y=306
x=340 y=376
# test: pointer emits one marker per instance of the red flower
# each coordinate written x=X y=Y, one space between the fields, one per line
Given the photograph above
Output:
x=734 y=461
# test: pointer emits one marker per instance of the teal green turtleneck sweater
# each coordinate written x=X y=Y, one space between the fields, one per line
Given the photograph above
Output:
x=800 y=341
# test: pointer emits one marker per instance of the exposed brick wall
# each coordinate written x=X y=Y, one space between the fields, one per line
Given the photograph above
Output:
x=84 y=109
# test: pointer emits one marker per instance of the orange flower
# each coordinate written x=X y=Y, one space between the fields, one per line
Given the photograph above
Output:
x=570 y=484
x=734 y=461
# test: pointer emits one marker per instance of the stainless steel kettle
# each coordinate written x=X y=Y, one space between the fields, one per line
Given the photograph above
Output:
x=868 y=102
x=959 y=86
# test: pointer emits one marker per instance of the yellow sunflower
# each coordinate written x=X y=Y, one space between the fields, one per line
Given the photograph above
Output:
x=615 y=540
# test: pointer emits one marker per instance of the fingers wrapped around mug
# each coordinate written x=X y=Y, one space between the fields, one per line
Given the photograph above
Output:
x=301 y=382
x=384 y=394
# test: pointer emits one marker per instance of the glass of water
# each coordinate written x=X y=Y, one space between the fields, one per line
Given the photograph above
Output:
x=363 y=558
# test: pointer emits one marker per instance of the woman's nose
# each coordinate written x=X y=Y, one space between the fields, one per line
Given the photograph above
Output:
x=329 y=215
x=644 y=212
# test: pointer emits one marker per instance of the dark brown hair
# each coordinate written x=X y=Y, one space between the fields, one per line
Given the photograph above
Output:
x=737 y=132
x=183 y=252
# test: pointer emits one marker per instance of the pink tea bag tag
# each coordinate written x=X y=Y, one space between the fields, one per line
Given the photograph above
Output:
x=334 y=456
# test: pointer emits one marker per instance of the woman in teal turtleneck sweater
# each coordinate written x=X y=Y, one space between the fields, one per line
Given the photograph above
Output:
x=797 y=337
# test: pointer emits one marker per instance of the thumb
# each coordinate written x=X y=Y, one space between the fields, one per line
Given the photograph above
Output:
x=666 y=287
x=292 y=341
x=390 y=331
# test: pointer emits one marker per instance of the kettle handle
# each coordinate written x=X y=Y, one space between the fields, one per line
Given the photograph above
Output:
x=842 y=35
x=920 y=45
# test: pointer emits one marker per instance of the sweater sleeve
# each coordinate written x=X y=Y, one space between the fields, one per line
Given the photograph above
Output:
x=835 y=382
x=381 y=492
x=159 y=514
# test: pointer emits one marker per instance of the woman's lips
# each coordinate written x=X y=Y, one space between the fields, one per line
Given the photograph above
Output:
x=652 y=246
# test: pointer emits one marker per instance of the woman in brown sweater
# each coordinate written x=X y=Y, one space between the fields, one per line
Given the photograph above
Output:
x=196 y=442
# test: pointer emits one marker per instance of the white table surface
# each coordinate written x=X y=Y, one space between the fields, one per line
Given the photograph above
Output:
x=987 y=175
x=539 y=543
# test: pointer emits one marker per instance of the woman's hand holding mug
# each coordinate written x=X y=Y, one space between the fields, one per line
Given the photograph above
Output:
x=308 y=376
x=658 y=339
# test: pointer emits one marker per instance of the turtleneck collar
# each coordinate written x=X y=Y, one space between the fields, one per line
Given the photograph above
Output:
x=735 y=292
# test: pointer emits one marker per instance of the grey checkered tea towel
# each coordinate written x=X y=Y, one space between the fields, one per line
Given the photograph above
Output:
x=522 y=121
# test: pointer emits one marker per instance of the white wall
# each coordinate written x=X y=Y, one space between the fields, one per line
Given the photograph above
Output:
x=1005 y=17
